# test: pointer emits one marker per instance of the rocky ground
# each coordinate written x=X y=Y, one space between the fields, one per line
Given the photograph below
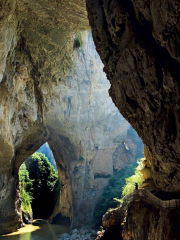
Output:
x=81 y=234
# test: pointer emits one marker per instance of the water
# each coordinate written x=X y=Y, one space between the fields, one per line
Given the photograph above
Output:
x=39 y=230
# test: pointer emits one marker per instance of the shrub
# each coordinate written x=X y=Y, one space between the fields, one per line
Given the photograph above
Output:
x=78 y=40
x=130 y=181
x=136 y=178
x=26 y=188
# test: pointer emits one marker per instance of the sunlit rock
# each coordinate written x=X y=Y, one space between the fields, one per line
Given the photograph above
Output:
x=53 y=91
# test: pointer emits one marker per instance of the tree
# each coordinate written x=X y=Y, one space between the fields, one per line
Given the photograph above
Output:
x=111 y=191
x=136 y=178
x=45 y=179
x=130 y=181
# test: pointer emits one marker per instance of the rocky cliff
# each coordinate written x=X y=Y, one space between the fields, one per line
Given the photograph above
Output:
x=51 y=91
x=138 y=42
x=142 y=216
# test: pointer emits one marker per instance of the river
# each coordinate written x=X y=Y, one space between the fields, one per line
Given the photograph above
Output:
x=39 y=230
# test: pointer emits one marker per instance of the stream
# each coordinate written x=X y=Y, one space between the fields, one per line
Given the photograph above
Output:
x=38 y=230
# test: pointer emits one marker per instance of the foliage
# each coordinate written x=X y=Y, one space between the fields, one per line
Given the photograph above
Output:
x=78 y=40
x=119 y=185
x=130 y=181
x=25 y=189
x=46 y=176
x=45 y=149
x=112 y=190
x=45 y=184
x=136 y=178
x=81 y=158
x=39 y=186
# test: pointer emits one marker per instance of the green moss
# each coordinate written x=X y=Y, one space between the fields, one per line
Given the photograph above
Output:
x=81 y=158
x=78 y=41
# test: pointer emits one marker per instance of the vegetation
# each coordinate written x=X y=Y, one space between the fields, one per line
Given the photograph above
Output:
x=130 y=181
x=111 y=191
x=46 y=176
x=136 y=178
x=39 y=186
x=81 y=159
x=45 y=149
x=78 y=40
x=119 y=185
x=45 y=185
x=25 y=189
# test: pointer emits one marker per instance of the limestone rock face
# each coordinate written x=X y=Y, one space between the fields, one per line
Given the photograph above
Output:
x=112 y=218
x=139 y=219
x=52 y=92
x=86 y=133
x=113 y=224
x=138 y=42
x=149 y=222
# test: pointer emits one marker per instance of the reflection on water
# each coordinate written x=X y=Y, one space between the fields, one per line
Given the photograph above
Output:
x=39 y=230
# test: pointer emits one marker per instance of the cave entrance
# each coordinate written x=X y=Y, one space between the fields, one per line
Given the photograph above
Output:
x=39 y=185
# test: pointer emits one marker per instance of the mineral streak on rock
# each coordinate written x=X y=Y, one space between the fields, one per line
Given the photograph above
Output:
x=51 y=92
x=138 y=42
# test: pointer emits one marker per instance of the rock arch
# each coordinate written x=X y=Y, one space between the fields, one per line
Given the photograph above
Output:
x=45 y=95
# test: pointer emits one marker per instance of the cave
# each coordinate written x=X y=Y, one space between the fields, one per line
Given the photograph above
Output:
x=46 y=69
x=73 y=113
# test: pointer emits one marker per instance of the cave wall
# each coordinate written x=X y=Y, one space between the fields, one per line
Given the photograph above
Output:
x=91 y=136
x=32 y=38
x=51 y=92
x=138 y=42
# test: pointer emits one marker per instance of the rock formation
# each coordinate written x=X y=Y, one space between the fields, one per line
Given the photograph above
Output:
x=45 y=91
x=149 y=222
x=142 y=216
x=51 y=91
x=138 y=42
